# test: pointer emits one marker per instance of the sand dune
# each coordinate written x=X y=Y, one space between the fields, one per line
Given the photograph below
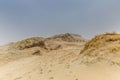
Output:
x=103 y=48
x=63 y=63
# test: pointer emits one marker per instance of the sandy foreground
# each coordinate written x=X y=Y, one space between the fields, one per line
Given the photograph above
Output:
x=63 y=64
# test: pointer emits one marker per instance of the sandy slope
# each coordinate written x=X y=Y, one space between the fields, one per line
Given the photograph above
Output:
x=57 y=65
x=62 y=64
x=38 y=68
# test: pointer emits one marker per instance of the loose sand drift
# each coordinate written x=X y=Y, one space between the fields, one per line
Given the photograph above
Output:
x=98 y=60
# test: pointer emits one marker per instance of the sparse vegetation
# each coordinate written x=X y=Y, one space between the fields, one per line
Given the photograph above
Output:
x=69 y=37
x=105 y=46
x=47 y=43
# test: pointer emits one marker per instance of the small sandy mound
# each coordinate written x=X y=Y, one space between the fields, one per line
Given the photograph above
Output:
x=105 y=47
x=29 y=43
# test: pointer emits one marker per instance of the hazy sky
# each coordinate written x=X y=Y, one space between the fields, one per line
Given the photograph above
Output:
x=20 y=19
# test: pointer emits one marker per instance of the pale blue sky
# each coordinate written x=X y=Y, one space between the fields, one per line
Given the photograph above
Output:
x=20 y=19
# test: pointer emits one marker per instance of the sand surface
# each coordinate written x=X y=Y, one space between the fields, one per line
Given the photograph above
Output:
x=36 y=68
x=62 y=64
